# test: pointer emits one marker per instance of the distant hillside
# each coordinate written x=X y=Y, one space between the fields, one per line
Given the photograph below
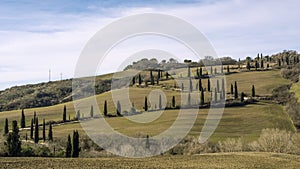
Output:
x=44 y=94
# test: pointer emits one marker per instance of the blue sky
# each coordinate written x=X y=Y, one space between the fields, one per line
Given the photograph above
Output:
x=38 y=36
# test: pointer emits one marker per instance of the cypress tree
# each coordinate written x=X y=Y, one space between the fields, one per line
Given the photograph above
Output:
x=200 y=85
x=31 y=129
x=242 y=96
x=36 y=131
x=65 y=114
x=191 y=85
x=216 y=96
x=197 y=71
x=151 y=77
x=6 y=130
x=146 y=104
x=69 y=147
x=222 y=69
x=26 y=137
x=236 y=94
x=167 y=75
x=140 y=80
x=23 y=124
x=228 y=70
x=202 y=98
x=208 y=85
x=173 y=102
x=279 y=62
x=75 y=147
x=105 y=108
x=253 y=91
x=248 y=65
x=13 y=140
x=216 y=71
x=239 y=63
x=256 y=65
x=92 y=111
x=44 y=130
x=34 y=117
x=189 y=99
x=78 y=115
x=133 y=80
x=262 y=63
x=223 y=85
x=119 y=110
x=147 y=142
x=182 y=87
x=211 y=70
x=159 y=102
x=50 y=133
x=231 y=89
x=218 y=86
x=189 y=72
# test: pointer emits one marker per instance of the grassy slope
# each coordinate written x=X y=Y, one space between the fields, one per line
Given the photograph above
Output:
x=242 y=121
x=216 y=160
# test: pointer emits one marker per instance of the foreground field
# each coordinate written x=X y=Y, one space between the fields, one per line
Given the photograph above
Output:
x=220 y=160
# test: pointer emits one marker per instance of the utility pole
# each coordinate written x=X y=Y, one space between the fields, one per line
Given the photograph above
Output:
x=49 y=75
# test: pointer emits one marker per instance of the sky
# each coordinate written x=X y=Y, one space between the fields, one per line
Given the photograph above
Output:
x=38 y=36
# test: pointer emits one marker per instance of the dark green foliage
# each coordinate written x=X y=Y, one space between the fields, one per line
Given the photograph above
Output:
x=191 y=85
x=159 y=102
x=50 y=133
x=215 y=96
x=92 y=111
x=231 y=89
x=228 y=70
x=200 y=85
x=105 y=108
x=69 y=147
x=200 y=72
x=151 y=77
x=222 y=68
x=279 y=62
x=65 y=114
x=119 y=109
x=146 y=104
x=13 y=142
x=140 y=80
x=202 y=98
x=44 y=130
x=167 y=75
x=133 y=80
x=248 y=65
x=31 y=129
x=182 y=87
x=189 y=72
x=242 y=96
x=75 y=147
x=211 y=70
x=236 y=94
x=223 y=85
x=208 y=85
x=256 y=65
x=147 y=142
x=34 y=117
x=253 y=91
x=218 y=86
x=173 y=102
x=78 y=115
x=36 y=131
x=26 y=137
x=262 y=63
x=216 y=71
x=23 y=123
x=6 y=130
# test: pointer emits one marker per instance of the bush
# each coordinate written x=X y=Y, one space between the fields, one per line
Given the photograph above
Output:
x=230 y=145
x=277 y=141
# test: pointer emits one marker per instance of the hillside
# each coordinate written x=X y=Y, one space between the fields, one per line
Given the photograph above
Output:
x=207 y=161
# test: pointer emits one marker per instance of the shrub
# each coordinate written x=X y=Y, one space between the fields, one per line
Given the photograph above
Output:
x=230 y=145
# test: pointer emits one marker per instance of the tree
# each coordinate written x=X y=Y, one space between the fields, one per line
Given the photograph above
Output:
x=140 y=80
x=133 y=80
x=208 y=85
x=167 y=75
x=202 y=98
x=6 y=130
x=50 y=133
x=147 y=142
x=182 y=87
x=200 y=73
x=44 y=130
x=65 y=114
x=75 y=147
x=242 y=96
x=200 y=85
x=231 y=89
x=228 y=70
x=105 y=108
x=236 y=94
x=119 y=109
x=34 y=117
x=218 y=86
x=191 y=85
x=216 y=96
x=256 y=65
x=222 y=69
x=216 y=71
x=23 y=124
x=69 y=147
x=146 y=104
x=92 y=111
x=31 y=129
x=13 y=142
x=253 y=91
x=151 y=77
x=262 y=63
x=36 y=131
x=223 y=85
x=189 y=99
x=248 y=65
x=173 y=102
x=78 y=115
x=189 y=72
x=159 y=102
x=211 y=70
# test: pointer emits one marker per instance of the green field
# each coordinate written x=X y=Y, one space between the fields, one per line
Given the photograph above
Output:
x=207 y=161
